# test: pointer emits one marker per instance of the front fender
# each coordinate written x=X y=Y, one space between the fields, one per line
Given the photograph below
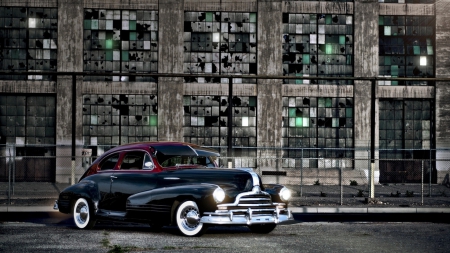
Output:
x=85 y=189
x=274 y=191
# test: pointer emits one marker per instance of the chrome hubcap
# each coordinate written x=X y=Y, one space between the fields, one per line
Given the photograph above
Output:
x=191 y=218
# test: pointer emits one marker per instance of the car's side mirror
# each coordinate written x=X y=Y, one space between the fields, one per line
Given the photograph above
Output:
x=148 y=166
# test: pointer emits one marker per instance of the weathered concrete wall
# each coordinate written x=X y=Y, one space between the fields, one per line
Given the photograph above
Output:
x=442 y=88
x=318 y=7
x=70 y=59
x=221 y=5
x=365 y=65
x=170 y=58
x=269 y=99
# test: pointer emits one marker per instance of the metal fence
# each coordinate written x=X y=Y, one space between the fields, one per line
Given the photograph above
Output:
x=34 y=175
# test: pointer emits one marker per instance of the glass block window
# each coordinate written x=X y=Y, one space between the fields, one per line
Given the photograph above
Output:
x=222 y=43
x=317 y=45
x=405 y=135
x=27 y=119
x=206 y=121
x=404 y=124
x=120 y=41
x=28 y=41
x=111 y=120
x=322 y=127
x=407 y=45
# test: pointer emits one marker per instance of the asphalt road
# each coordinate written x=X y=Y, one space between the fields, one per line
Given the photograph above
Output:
x=55 y=233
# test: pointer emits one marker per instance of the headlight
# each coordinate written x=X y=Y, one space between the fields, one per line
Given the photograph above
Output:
x=219 y=195
x=285 y=194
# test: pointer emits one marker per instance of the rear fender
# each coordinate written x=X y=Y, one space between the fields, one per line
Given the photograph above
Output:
x=85 y=189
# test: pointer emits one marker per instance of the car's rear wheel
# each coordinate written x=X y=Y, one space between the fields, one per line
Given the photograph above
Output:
x=82 y=214
x=262 y=228
x=188 y=219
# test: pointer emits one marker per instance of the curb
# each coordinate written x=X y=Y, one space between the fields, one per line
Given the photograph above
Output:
x=295 y=210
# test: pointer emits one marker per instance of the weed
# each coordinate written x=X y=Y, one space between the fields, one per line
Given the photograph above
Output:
x=317 y=182
x=360 y=193
x=117 y=249
x=169 y=247
x=353 y=183
x=396 y=194
x=409 y=193
x=443 y=193
x=105 y=242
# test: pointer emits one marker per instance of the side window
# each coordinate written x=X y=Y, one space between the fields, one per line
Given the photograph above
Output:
x=133 y=161
x=110 y=162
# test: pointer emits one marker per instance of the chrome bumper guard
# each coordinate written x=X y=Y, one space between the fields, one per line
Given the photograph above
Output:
x=248 y=216
x=55 y=206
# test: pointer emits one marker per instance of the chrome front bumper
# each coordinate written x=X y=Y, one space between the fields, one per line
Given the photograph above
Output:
x=246 y=217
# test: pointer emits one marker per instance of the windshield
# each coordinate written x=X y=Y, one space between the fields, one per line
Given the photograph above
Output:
x=168 y=161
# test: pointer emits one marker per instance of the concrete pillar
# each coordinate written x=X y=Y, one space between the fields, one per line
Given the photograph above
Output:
x=366 y=65
x=269 y=90
x=442 y=91
x=170 y=55
x=70 y=59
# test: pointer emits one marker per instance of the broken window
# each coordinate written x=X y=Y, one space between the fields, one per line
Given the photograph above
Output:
x=222 y=43
x=111 y=120
x=120 y=41
x=206 y=122
x=29 y=41
x=317 y=45
x=406 y=48
x=319 y=127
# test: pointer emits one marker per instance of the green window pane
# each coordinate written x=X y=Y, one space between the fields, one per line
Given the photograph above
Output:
x=430 y=50
x=298 y=122
x=132 y=35
x=252 y=101
x=124 y=55
x=329 y=49
x=132 y=25
x=109 y=44
x=394 y=83
x=87 y=24
x=394 y=70
x=292 y=113
x=387 y=31
x=387 y=60
x=381 y=20
x=209 y=17
x=94 y=24
x=342 y=39
x=321 y=102
x=291 y=122
x=349 y=112
x=416 y=50
x=328 y=19
x=328 y=102
x=252 y=17
x=306 y=59
x=153 y=120
x=109 y=55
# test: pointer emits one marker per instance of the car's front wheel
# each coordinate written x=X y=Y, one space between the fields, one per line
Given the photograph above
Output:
x=82 y=214
x=188 y=219
x=262 y=228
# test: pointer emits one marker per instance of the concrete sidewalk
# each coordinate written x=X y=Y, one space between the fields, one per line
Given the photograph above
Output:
x=40 y=197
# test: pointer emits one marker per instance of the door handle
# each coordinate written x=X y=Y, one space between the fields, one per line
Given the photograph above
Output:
x=113 y=177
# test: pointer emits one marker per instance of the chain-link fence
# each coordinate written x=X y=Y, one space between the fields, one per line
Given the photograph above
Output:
x=33 y=175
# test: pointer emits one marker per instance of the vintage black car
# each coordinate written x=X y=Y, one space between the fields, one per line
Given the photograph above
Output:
x=173 y=183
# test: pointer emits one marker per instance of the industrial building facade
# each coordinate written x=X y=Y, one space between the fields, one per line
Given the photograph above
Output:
x=311 y=123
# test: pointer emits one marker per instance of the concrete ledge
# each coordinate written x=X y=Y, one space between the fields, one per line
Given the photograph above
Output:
x=367 y=210
x=30 y=209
